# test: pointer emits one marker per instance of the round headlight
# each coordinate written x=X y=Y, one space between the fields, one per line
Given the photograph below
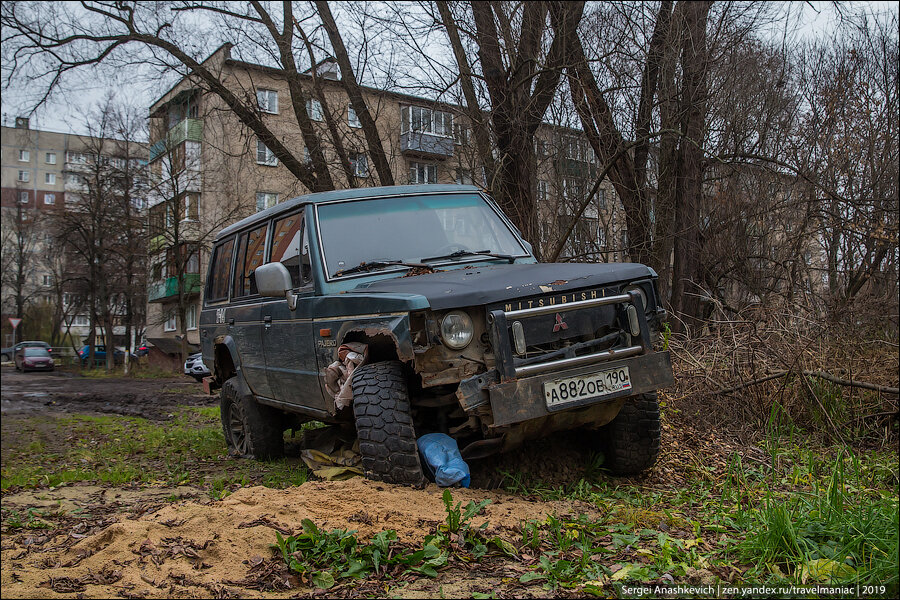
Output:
x=640 y=292
x=457 y=329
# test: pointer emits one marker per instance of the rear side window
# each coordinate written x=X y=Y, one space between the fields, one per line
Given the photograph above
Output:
x=287 y=235
x=251 y=254
x=221 y=269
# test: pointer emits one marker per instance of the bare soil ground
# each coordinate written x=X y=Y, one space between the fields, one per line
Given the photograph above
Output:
x=175 y=541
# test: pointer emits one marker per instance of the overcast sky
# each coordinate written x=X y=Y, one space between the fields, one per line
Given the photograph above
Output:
x=65 y=113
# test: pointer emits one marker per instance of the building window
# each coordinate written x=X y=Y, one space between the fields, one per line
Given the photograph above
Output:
x=49 y=198
x=359 y=164
x=460 y=134
x=314 y=109
x=601 y=198
x=24 y=176
x=352 y=119
x=267 y=101
x=306 y=157
x=265 y=200
x=80 y=321
x=425 y=120
x=191 y=209
x=464 y=177
x=50 y=178
x=170 y=324
x=76 y=157
x=50 y=158
x=422 y=173
x=543 y=191
x=264 y=156
x=24 y=156
x=190 y=317
x=23 y=197
x=601 y=237
x=47 y=280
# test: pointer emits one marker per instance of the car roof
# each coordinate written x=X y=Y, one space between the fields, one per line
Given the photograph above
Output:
x=351 y=194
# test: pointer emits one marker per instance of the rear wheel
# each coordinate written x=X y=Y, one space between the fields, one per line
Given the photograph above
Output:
x=251 y=429
x=387 y=438
x=630 y=442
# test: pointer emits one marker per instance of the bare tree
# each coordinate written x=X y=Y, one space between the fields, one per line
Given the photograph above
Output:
x=20 y=230
x=70 y=38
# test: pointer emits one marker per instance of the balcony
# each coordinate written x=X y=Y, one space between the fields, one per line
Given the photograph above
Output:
x=426 y=144
x=163 y=290
x=186 y=130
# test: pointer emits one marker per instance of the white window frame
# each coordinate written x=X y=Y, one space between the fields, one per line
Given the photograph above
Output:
x=24 y=156
x=543 y=190
x=76 y=157
x=352 y=117
x=190 y=317
x=265 y=200
x=46 y=280
x=267 y=100
x=421 y=119
x=359 y=163
x=314 y=109
x=422 y=171
x=80 y=321
x=23 y=197
x=464 y=177
x=50 y=158
x=24 y=176
x=50 y=178
x=171 y=323
x=264 y=156
x=49 y=198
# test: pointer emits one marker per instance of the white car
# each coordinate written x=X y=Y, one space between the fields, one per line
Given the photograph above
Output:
x=194 y=367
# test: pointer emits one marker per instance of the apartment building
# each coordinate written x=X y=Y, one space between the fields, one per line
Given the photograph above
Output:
x=208 y=170
x=42 y=174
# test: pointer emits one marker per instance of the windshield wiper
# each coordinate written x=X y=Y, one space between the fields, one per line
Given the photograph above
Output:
x=462 y=253
x=377 y=264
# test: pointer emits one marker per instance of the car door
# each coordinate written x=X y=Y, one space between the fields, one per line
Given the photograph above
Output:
x=245 y=310
x=288 y=335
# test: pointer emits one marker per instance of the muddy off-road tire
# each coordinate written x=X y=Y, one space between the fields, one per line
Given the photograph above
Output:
x=387 y=438
x=630 y=442
x=251 y=429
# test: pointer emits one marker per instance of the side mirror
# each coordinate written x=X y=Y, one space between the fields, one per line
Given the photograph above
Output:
x=274 y=280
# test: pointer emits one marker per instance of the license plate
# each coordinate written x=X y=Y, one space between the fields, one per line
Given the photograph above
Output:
x=585 y=387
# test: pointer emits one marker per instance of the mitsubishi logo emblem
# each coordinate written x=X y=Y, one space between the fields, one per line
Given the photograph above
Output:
x=560 y=324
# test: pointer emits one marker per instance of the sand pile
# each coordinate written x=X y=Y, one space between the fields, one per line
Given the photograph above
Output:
x=191 y=549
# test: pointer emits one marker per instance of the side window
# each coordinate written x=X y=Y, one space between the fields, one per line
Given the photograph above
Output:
x=250 y=254
x=287 y=235
x=218 y=281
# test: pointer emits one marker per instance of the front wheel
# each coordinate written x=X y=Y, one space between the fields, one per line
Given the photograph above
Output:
x=630 y=442
x=387 y=438
x=251 y=430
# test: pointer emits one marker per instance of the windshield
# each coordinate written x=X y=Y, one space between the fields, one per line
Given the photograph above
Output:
x=36 y=351
x=411 y=228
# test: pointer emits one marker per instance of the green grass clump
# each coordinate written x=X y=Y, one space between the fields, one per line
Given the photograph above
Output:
x=839 y=532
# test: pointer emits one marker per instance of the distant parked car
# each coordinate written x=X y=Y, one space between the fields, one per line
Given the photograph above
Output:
x=7 y=354
x=194 y=367
x=100 y=355
x=142 y=350
x=33 y=358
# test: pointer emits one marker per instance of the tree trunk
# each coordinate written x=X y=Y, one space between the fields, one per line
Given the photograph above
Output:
x=686 y=275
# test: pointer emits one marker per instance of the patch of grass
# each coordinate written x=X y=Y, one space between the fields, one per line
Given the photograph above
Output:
x=838 y=532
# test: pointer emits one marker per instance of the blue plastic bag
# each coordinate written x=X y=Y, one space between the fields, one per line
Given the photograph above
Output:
x=444 y=460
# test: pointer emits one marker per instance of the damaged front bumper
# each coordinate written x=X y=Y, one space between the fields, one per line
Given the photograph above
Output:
x=519 y=389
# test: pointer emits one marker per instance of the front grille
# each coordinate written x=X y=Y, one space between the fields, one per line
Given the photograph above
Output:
x=568 y=334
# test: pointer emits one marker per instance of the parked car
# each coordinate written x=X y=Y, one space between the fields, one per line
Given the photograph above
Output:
x=194 y=367
x=100 y=355
x=33 y=358
x=416 y=309
x=7 y=354
x=142 y=350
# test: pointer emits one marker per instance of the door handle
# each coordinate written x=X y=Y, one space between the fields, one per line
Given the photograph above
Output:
x=268 y=321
